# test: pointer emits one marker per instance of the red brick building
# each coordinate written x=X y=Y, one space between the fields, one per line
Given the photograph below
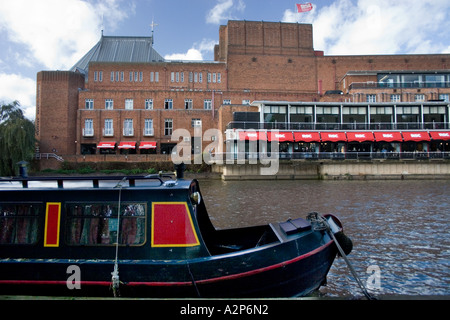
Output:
x=122 y=97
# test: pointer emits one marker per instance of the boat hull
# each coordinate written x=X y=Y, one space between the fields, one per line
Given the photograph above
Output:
x=151 y=239
x=269 y=271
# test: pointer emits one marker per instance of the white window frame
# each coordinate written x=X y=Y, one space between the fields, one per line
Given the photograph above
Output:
x=129 y=104
x=108 y=130
x=395 y=97
x=89 y=104
x=88 y=130
x=444 y=96
x=148 y=104
x=109 y=104
x=371 y=98
x=419 y=97
x=188 y=104
x=168 y=127
x=148 y=127
x=207 y=104
x=168 y=103
x=128 y=129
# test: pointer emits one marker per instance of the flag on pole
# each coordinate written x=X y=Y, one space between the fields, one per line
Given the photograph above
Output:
x=304 y=7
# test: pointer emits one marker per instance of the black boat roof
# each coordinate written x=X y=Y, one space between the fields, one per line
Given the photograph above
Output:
x=153 y=181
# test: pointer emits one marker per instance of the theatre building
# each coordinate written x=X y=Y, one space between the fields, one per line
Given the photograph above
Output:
x=122 y=101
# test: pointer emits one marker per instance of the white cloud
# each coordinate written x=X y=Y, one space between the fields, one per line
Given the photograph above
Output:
x=15 y=87
x=223 y=10
x=192 y=54
x=57 y=33
x=378 y=27
x=196 y=53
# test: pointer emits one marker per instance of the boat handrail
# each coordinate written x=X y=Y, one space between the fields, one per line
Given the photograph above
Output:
x=95 y=179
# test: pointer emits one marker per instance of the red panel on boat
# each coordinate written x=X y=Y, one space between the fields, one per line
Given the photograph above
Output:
x=52 y=221
x=172 y=225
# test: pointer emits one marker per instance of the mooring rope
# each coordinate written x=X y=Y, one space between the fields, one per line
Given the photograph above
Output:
x=115 y=274
x=320 y=223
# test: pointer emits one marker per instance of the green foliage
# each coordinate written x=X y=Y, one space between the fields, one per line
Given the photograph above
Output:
x=17 y=141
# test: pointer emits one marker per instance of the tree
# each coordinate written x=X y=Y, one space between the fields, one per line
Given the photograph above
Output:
x=17 y=141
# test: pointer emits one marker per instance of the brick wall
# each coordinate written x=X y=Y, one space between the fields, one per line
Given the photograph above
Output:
x=57 y=104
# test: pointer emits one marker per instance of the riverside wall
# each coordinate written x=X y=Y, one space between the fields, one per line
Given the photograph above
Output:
x=287 y=169
x=339 y=170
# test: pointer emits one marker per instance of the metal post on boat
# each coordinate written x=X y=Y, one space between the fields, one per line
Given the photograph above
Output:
x=180 y=168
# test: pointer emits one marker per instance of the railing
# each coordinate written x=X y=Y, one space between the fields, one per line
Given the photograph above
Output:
x=415 y=84
x=245 y=125
x=333 y=155
x=88 y=132
x=149 y=132
x=128 y=132
x=40 y=156
x=108 y=132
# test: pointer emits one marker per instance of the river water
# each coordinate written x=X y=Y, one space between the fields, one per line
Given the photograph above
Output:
x=399 y=228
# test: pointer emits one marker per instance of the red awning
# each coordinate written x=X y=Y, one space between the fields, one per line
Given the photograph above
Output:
x=127 y=145
x=388 y=136
x=106 y=145
x=252 y=135
x=440 y=135
x=306 y=136
x=360 y=136
x=280 y=136
x=333 y=136
x=416 y=136
x=147 y=145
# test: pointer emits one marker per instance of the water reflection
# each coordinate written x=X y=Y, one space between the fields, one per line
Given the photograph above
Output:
x=400 y=226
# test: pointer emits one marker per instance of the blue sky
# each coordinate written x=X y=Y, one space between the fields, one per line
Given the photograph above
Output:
x=40 y=35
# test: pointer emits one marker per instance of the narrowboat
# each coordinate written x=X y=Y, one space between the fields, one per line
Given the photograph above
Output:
x=149 y=236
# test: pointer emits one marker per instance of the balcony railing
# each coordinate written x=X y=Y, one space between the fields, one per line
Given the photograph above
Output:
x=128 y=132
x=245 y=125
x=415 y=84
x=88 y=132
x=108 y=132
x=149 y=132
x=335 y=155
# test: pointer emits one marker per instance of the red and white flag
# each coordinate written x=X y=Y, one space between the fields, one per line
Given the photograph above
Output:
x=304 y=7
